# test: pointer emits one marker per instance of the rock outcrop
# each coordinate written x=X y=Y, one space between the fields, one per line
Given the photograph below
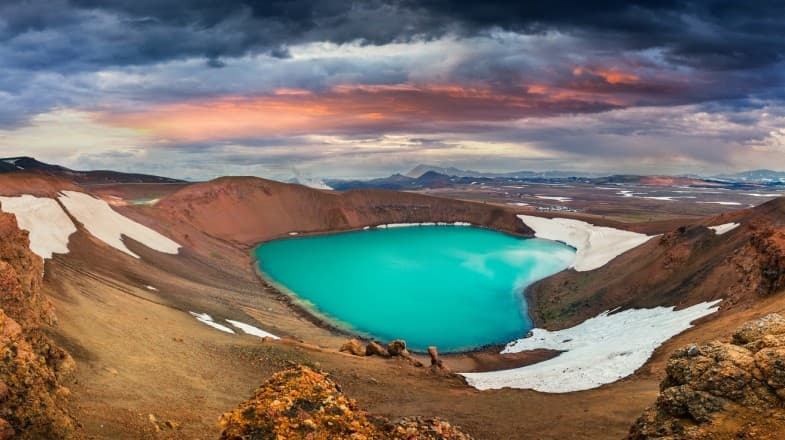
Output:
x=32 y=368
x=301 y=403
x=353 y=346
x=723 y=390
x=398 y=348
x=375 y=349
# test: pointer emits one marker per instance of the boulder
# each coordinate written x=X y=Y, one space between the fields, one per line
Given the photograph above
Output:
x=398 y=348
x=374 y=348
x=353 y=346
x=722 y=390
x=436 y=362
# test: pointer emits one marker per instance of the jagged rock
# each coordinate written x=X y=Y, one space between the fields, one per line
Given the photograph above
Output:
x=301 y=403
x=398 y=348
x=422 y=428
x=723 y=390
x=374 y=348
x=353 y=346
x=753 y=332
x=436 y=362
x=32 y=368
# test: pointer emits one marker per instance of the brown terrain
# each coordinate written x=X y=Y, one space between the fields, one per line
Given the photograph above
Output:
x=682 y=267
x=145 y=368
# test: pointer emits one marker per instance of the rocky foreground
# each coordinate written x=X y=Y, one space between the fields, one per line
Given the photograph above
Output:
x=32 y=369
x=301 y=403
x=723 y=390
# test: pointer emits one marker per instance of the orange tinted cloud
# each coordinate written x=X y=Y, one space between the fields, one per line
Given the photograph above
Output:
x=352 y=109
x=611 y=76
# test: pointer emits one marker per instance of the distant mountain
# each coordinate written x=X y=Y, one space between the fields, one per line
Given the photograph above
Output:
x=420 y=170
x=398 y=182
x=31 y=165
x=755 y=176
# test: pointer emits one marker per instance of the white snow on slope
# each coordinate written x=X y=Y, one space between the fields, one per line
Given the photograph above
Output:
x=723 y=203
x=48 y=224
x=204 y=318
x=723 y=228
x=109 y=226
x=251 y=330
x=557 y=198
x=595 y=245
x=598 y=351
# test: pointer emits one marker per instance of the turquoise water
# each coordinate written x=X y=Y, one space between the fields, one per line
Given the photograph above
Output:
x=454 y=287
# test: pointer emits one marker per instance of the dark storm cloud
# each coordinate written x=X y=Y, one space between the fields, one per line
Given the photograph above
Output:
x=716 y=34
x=78 y=34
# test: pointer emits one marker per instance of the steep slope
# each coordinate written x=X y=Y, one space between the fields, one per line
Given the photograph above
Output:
x=683 y=267
x=33 y=184
x=248 y=210
x=32 y=368
x=724 y=389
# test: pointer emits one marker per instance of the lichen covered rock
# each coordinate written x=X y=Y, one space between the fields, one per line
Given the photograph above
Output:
x=301 y=403
x=723 y=390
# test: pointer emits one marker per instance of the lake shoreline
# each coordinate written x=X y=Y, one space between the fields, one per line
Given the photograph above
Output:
x=304 y=308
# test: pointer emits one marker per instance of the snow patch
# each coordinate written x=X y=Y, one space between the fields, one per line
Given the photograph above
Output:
x=251 y=330
x=723 y=228
x=598 y=351
x=109 y=226
x=595 y=245
x=49 y=226
x=151 y=288
x=204 y=318
x=557 y=198
x=724 y=203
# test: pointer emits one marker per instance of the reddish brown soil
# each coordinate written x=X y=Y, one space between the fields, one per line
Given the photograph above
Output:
x=249 y=210
x=683 y=267
x=34 y=184
x=139 y=352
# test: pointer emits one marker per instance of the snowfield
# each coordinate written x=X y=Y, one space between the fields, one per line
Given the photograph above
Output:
x=251 y=330
x=724 y=203
x=557 y=198
x=49 y=226
x=723 y=228
x=204 y=318
x=109 y=226
x=598 y=351
x=595 y=245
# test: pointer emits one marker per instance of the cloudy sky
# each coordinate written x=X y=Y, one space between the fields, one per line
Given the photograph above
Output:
x=340 y=88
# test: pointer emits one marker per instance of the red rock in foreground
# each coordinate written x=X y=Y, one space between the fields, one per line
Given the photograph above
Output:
x=32 y=368
x=301 y=403
x=723 y=390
